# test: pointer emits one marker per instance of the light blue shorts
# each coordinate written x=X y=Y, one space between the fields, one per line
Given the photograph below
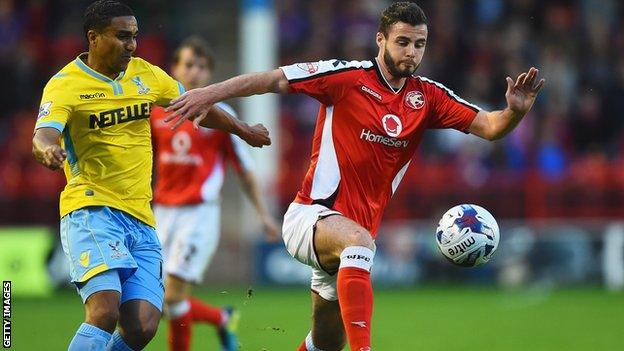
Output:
x=109 y=249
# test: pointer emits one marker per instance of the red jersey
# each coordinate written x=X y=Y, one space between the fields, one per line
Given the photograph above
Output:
x=190 y=163
x=367 y=132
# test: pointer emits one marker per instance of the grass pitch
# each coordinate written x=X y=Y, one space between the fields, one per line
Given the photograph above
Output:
x=442 y=318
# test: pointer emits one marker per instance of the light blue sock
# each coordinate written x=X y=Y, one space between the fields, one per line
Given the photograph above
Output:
x=90 y=338
x=117 y=343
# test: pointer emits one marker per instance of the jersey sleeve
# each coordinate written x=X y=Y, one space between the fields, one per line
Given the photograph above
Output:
x=56 y=106
x=169 y=88
x=326 y=81
x=449 y=110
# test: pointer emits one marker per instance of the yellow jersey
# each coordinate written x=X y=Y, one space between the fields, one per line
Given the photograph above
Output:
x=105 y=130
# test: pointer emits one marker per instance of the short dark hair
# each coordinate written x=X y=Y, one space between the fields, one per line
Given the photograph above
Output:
x=199 y=47
x=98 y=15
x=404 y=11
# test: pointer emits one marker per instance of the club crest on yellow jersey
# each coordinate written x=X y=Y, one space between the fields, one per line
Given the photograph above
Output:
x=44 y=109
x=143 y=89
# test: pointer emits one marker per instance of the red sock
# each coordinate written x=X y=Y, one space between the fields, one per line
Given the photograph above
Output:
x=202 y=312
x=355 y=293
x=180 y=333
x=302 y=347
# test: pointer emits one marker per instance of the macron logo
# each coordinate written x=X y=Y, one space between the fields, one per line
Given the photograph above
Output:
x=97 y=95
x=382 y=139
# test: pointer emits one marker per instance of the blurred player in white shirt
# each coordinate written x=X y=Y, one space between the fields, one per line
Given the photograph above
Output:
x=190 y=167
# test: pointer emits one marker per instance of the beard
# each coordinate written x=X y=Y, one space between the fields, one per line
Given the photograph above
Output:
x=393 y=66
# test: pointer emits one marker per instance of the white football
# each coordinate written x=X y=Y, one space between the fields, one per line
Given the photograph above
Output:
x=467 y=235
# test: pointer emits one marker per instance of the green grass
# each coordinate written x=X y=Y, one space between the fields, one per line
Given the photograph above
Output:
x=443 y=318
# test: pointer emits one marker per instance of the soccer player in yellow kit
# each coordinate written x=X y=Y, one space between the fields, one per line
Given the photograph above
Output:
x=93 y=122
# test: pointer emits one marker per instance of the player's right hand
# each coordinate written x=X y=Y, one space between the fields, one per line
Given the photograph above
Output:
x=193 y=105
x=54 y=156
x=256 y=135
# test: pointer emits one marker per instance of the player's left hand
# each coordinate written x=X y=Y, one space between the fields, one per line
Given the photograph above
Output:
x=193 y=105
x=271 y=229
x=521 y=94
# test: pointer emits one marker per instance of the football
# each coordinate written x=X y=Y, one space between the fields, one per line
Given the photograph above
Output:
x=467 y=235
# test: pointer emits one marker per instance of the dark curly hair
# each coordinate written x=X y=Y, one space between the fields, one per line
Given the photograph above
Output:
x=404 y=11
x=99 y=14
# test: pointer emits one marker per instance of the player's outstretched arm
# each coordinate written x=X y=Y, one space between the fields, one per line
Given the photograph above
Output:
x=195 y=103
x=46 y=148
x=520 y=96
x=256 y=135
x=252 y=190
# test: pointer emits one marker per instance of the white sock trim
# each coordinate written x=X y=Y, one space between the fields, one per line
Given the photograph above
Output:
x=178 y=309
x=358 y=257
x=225 y=317
x=309 y=344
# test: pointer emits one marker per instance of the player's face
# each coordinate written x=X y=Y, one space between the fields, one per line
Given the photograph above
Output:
x=403 y=48
x=191 y=70
x=116 y=43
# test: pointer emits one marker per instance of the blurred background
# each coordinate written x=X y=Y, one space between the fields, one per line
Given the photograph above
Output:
x=556 y=184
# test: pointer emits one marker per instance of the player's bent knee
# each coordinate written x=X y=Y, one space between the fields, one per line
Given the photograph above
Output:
x=174 y=294
x=145 y=326
x=175 y=290
x=138 y=322
x=103 y=317
x=147 y=331
x=172 y=298
x=141 y=333
x=360 y=237
x=102 y=310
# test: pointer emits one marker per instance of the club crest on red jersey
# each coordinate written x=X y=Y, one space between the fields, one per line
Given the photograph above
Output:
x=310 y=67
x=392 y=125
x=415 y=99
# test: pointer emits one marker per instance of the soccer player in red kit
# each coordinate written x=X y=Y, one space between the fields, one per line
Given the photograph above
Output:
x=190 y=168
x=372 y=117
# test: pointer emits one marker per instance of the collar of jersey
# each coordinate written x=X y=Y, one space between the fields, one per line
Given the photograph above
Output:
x=93 y=73
x=383 y=79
